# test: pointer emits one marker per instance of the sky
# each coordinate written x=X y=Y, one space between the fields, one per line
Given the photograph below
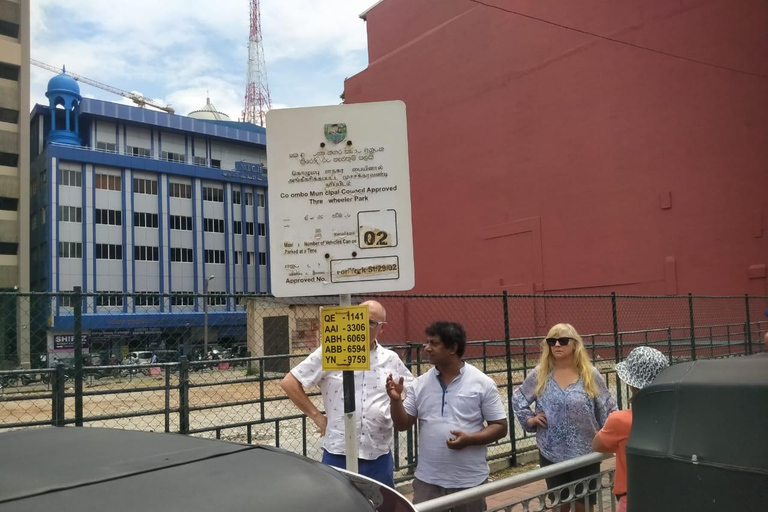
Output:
x=174 y=51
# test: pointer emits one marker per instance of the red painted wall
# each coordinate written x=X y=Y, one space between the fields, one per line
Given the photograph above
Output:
x=545 y=160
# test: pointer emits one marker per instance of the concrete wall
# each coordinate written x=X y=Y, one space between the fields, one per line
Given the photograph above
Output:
x=546 y=160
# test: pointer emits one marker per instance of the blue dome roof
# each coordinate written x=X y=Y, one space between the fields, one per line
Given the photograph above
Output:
x=63 y=83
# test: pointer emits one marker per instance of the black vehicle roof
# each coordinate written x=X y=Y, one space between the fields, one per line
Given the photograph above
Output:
x=716 y=410
x=91 y=469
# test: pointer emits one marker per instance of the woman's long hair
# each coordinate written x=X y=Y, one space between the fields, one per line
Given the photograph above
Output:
x=580 y=360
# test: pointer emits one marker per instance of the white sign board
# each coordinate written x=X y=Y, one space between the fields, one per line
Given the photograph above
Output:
x=339 y=200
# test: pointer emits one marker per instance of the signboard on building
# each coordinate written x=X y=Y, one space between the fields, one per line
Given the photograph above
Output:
x=339 y=200
x=67 y=341
x=345 y=338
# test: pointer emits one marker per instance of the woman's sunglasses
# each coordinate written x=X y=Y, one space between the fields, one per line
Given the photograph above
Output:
x=563 y=341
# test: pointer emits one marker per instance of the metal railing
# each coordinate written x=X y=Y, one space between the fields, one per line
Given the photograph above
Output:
x=597 y=487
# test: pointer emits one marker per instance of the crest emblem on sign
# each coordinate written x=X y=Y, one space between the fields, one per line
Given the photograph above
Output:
x=336 y=132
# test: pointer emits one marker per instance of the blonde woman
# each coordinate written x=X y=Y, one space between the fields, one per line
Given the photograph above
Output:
x=572 y=404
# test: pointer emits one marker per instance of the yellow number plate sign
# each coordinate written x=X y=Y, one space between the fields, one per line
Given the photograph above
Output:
x=345 y=338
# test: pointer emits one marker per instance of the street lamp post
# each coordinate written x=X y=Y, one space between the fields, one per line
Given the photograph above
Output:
x=205 y=316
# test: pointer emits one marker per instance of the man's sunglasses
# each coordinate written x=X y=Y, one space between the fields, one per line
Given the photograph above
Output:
x=563 y=341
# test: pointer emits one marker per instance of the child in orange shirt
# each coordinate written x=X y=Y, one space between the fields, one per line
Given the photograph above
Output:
x=639 y=369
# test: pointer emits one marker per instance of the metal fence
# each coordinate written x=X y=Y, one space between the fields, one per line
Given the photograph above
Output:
x=197 y=386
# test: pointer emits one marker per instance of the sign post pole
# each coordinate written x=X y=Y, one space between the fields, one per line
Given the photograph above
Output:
x=350 y=423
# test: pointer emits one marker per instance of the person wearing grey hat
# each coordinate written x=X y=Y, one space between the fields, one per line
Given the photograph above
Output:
x=637 y=371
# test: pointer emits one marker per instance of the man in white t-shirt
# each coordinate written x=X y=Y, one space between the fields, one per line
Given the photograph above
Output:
x=453 y=402
x=374 y=423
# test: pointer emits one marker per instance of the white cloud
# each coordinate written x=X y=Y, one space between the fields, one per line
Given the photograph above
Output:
x=175 y=49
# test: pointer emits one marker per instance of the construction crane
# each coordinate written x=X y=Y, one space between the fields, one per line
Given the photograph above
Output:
x=138 y=99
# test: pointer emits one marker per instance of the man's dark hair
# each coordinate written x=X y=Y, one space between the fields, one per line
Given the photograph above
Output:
x=450 y=333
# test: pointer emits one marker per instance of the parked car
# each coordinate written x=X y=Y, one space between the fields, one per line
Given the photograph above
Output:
x=139 y=357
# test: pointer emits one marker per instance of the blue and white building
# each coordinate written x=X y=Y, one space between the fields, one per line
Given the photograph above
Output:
x=142 y=208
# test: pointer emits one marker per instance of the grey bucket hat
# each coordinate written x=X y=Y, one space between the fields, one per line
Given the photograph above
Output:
x=641 y=366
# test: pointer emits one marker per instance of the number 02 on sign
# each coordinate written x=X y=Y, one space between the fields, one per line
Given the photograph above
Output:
x=345 y=338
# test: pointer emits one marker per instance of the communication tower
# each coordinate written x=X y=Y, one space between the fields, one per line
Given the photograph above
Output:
x=257 y=99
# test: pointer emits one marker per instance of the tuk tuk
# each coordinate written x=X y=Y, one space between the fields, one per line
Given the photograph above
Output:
x=699 y=439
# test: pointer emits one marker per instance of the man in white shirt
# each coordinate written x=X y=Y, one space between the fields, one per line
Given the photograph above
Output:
x=374 y=423
x=452 y=402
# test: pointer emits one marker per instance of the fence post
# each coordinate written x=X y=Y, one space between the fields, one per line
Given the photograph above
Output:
x=262 y=405
x=184 y=396
x=693 y=327
x=616 y=346
x=167 y=399
x=749 y=326
x=57 y=396
x=78 y=342
x=409 y=433
x=508 y=355
x=669 y=343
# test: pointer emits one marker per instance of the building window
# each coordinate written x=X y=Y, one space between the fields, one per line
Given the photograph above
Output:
x=108 y=182
x=109 y=299
x=213 y=194
x=237 y=227
x=145 y=253
x=145 y=220
x=215 y=257
x=260 y=199
x=146 y=299
x=70 y=214
x=182 y=299
x=249 y=228
x=251 y=258
x=201 y=160
x=9 y=159
x=9 y=204
x=142 y=186
x=182 y=255
x=70 y=250
x=173 y=157
x=109 y=147
x=71 y=178
x=262 y=229
x=180 y=190
x=8 y=115
x=10 y=29
x=66 y=300
x=109 y=252
x=213 y=225
x=181 y=223
x=249 y=199
x=238 y=257
x=9 y=248
x=216 y=299
x=216 y=164
x=263 y=259
x=108 y=217
x=137 y=151
x=236 y=197
x=9 y=71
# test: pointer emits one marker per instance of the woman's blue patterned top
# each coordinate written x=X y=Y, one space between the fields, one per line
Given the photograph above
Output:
x=573 y=418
